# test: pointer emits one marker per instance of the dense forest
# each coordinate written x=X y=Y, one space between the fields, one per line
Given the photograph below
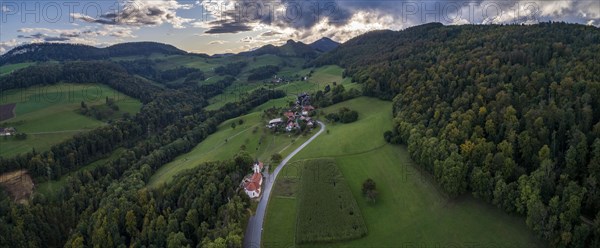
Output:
x=510 y=113
x=70 y=52
x=231 y=69
x=263 y=72
x=109 y=205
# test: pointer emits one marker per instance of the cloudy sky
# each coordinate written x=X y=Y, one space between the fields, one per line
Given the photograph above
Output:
x=219 y=26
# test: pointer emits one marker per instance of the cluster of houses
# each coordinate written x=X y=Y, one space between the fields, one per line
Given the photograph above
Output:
x=7 y=131
x=277 y=79
x=292 y=118
x=253 y=183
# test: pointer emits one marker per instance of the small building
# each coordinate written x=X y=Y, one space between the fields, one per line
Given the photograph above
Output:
x=253 y=184
x=306 y=109
x=289 y=114
x=7 y=131
x=291 y=126
x=257 y=167
x=274 y=123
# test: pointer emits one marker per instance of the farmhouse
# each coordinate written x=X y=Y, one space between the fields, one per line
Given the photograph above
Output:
x=7 y=131
x=274 y=123
x=306 y=109
x=252 y=184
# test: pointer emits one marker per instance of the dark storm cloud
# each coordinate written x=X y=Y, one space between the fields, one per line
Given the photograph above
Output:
x=38 y=36
x=286 y=13
x=140 y=13
x=227 y=27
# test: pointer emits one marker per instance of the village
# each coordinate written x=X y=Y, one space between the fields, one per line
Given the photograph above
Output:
x=295 y=118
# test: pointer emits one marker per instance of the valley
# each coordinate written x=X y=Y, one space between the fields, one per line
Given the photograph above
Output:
x=431 y=136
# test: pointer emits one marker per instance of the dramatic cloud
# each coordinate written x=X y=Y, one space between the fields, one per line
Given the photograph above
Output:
x=247 y=39
x=217 y=42
x=88 y=36
x=304 y=18
x=220 y=27
x=142 y=13
x=270 y=33
x=7 y=45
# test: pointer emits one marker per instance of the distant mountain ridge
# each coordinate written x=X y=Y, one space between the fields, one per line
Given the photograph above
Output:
x=290 y=49
x=296 y=49
x=67 y=52
x=324 y=45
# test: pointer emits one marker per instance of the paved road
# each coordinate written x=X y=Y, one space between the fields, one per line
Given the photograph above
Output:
x=255 y=225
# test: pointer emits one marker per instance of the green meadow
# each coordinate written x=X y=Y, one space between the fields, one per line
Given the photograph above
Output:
x=48 y=114
x=320 y=78
x=409 y=209
x=6 y=69
x=252 y=134
x=327 y=210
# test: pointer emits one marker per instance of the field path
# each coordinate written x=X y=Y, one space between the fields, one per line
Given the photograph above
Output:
x=63 y=131
x=255 y=224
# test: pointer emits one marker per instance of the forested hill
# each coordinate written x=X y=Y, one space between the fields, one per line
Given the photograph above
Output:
x=508 y=113
x=64 y=52
x=289 y=49
x=324 y=45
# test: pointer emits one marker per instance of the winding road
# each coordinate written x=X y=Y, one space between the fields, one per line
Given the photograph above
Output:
x=255 y=224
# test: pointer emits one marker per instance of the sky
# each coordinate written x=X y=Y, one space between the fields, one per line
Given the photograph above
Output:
x=219 y=26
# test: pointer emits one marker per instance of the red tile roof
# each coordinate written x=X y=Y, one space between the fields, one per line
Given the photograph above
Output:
x=289 y=114
x=256 y=178
x=251 y=186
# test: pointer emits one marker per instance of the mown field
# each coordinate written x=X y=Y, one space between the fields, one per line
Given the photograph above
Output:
x=48 y=114
x=327 y=210
x=409 y=210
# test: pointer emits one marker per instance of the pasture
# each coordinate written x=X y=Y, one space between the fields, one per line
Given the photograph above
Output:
x=320 y=78
x=327 y=210
x=226 y=142
x=409 y=210
x=48 y=114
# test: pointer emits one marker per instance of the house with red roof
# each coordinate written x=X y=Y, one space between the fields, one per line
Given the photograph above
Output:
x=253 y=184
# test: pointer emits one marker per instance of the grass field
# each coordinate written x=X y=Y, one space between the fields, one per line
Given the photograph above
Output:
x=226 y=142
x=328 y=74
x=327 y=210
x=47 y=114
x=320 y=78
x=409 y=209
x=5 y=69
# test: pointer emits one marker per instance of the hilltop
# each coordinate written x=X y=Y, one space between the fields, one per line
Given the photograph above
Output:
x=66 y=52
